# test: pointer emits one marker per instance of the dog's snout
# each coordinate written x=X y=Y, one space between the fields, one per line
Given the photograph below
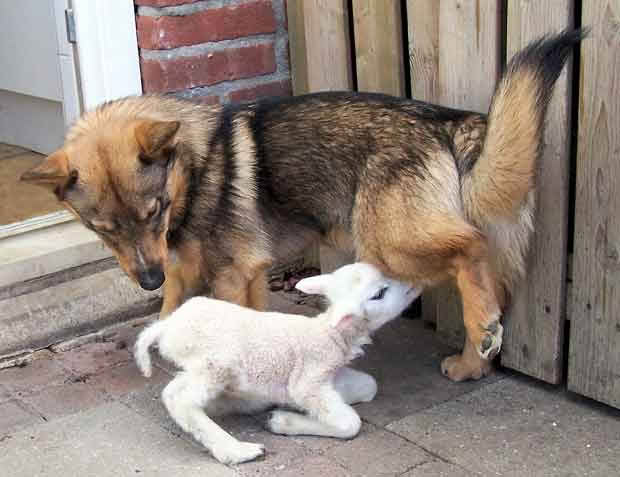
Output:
x=152 y=278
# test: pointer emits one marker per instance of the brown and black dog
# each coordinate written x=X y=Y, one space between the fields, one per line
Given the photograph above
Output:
x=194 y=194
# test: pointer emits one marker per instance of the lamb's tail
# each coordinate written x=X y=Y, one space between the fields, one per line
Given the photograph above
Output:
x=504 y=173
x=148 y=337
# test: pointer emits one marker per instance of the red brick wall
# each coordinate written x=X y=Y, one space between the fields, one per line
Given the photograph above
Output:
x=215 y=51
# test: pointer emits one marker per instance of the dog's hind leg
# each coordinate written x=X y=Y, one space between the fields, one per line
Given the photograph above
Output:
x=467 y=365
x=447 y=247
x=328 y=416
x=185 y=397
x=355 y=386
x=481 y=314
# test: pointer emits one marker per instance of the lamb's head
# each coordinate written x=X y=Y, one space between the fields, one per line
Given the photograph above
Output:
x=361 y=291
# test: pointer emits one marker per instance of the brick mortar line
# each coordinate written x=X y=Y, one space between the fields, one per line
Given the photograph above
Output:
x=208 y=47
x=281 y=52
x=282 y=38
x=278 y=13
x=223 y=88
x=188 y=8
x=282 y=72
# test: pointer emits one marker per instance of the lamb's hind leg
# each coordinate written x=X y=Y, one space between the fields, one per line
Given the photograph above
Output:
x=328 y=415
x=355 y=386
x=185 y=397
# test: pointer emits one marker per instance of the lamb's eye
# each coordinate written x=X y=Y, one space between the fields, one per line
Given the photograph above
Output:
x=380 y=294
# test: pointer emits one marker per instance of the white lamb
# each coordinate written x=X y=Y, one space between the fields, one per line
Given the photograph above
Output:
x=234 y=359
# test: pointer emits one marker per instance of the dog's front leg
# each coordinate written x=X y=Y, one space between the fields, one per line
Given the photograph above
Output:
x=231 y=285
x=184 y=278
x=257 y=291
x=182 y=282
x=245 y=287
x=328 y=416
x=185 y=397
x=173 y=292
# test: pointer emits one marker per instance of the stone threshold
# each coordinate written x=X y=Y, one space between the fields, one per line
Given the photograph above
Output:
x=70 y=304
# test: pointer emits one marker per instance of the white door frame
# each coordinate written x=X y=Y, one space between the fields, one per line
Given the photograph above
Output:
x=107 y=47
x=108 y=68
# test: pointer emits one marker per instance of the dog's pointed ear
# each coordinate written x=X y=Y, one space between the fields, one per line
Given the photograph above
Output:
x=317 y=285
x=53 y=173
x=152 y=136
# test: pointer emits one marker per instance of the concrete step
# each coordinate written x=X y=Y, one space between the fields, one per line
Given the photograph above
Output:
x=41 y=313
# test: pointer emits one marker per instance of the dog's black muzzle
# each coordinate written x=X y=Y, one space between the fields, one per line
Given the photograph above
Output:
x=151 y=278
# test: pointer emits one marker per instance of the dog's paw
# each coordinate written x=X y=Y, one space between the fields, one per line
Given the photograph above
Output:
x=238 y=453
x=491 y=343
x=458 y=369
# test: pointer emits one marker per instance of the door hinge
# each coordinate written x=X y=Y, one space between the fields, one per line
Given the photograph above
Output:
x=70 y=21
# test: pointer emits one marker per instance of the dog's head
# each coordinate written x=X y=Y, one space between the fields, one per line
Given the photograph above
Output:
x=119 y=178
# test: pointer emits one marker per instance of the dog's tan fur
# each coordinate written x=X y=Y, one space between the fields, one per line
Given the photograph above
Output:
x=425 y=193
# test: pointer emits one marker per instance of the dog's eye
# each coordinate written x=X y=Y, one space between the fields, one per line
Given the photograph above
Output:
x=380 y=294
x=102 y=225
x=154 y=210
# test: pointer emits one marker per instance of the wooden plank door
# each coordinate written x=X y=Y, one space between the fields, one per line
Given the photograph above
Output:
x=594 y=354
x=534 y=325
x=379 y=46
x=320 y=45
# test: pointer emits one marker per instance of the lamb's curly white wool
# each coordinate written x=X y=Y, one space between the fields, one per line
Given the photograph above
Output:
x=234 y=359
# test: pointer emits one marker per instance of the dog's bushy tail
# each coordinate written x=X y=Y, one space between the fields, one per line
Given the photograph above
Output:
x=503 y=176
x=148 y=337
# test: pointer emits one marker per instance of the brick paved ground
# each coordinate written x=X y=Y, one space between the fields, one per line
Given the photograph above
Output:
x=85 y=411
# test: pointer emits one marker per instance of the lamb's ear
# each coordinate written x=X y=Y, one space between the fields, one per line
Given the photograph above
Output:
x=316 y=285
x=53 y=173
x=152 y=136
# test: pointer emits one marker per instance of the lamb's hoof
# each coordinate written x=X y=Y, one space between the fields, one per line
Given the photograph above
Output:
x=279 y=422
x=238 y=453
x=491 y=344
x=457 y=369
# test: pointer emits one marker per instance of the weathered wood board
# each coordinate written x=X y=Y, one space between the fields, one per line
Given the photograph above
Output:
x=423 y=32
x=320 y=45
x=594 y=354
x=379 y=46
x=534 y=326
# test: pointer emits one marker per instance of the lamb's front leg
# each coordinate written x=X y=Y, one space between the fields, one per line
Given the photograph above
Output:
x=328 y=415
x=185 y=397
